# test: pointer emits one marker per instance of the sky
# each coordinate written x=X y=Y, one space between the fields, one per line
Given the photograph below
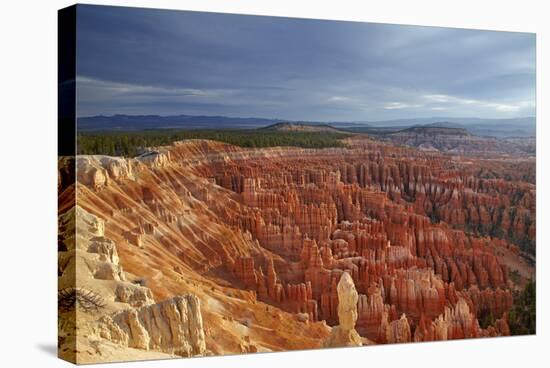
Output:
x=142 y=61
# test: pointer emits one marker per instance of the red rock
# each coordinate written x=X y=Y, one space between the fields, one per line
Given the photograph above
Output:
x=285 y=223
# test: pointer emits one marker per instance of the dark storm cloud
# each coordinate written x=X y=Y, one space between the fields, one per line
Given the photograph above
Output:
x=138 y=61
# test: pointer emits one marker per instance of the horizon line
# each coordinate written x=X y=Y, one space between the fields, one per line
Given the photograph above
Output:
x=306 y=120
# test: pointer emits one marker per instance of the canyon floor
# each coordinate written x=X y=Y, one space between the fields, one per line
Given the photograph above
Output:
x=205 y=248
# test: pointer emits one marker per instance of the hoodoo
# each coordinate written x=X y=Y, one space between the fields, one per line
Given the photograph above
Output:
x=345 y=334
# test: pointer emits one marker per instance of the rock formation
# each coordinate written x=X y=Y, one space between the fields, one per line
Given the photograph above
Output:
x=174 y=326
x=264 y=237
x=345 y=334
x=398 y=331
x=90 y=261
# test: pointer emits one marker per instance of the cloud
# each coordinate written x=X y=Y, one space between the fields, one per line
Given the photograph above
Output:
x=446 y=102
x=133 y=60
x=437 y=98
x=446 y=99
x=399 y=105
x=340 y=99
x=116 y=88
x=504 y=107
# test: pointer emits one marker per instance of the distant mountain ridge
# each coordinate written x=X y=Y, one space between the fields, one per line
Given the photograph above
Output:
x=140 y=122
x=301 y=127
x=500 y=128
x=445 y=124
x=434 y=130
x=446 y=137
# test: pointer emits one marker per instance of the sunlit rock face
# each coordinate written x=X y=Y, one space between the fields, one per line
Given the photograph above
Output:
x=345 y=334
x=281 y=246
